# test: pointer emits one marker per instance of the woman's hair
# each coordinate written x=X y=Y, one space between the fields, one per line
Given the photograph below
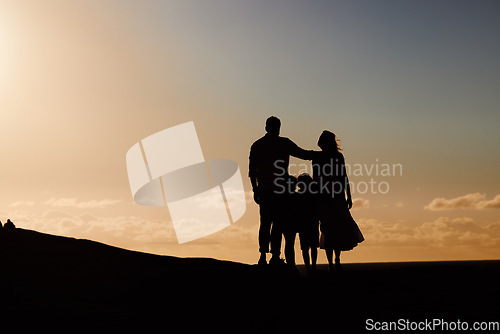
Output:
x=329 y=142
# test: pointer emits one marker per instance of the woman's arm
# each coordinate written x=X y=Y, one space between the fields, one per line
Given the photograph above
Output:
x=348 y=193
x=347 y=187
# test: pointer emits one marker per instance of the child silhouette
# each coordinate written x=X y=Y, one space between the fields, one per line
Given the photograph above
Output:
x=308 y=221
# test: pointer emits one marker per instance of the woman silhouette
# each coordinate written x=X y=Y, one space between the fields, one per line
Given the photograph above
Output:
x=339 y=230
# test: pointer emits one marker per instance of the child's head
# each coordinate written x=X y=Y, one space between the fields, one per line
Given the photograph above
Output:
x=303 y=181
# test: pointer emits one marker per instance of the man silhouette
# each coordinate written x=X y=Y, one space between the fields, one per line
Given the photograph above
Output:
x=268 y=172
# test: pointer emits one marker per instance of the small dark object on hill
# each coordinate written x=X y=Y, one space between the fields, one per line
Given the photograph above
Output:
x=9 y=226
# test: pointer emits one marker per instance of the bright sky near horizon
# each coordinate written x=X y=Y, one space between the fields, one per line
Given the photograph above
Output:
x=411 y=83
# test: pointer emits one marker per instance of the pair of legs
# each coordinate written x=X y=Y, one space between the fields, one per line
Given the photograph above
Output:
x=329 y=255
x=310 y=262
x=309 y=240
x=275 y=222
x=289 y=247
x=269 y=234
x=269 y=231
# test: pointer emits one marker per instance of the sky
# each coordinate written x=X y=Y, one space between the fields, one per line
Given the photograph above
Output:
x=412 y=84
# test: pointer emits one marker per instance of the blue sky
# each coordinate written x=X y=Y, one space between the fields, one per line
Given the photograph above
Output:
x=412 y=81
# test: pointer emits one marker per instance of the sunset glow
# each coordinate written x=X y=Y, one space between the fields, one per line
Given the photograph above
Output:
x=411 y=89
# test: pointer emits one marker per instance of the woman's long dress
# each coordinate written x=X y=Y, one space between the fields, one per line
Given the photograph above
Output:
x=339 y=229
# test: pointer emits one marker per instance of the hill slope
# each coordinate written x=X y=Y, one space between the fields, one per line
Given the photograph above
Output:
x=56 y=280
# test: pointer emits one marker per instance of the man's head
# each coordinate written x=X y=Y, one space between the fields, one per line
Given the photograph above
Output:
x=273 y=125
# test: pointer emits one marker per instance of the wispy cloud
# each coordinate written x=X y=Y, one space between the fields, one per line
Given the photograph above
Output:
x=22 y=203
x=360 y=203
x=444 y=232
x=73 y=202
x=447 y=237
x=474 y=201
x=125 y=231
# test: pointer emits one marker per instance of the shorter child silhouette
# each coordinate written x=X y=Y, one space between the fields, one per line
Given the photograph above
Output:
x=288 y=220
x=308 y=222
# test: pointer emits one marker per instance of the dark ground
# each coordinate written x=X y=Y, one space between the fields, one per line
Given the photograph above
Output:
x=51 y=281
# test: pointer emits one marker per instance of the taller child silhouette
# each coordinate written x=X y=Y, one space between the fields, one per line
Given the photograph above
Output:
x=268 y=171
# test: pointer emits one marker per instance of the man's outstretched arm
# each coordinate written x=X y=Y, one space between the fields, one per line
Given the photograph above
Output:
x=298 y=152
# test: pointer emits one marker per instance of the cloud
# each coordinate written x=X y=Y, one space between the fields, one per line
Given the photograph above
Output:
x=491 y=204
x=474 y=201
x=379 y=232
x=22 y=203
x=124 y=231
x=450 y=238
x=464 y=231
x=444 y=232
x=72 y=202
x=138 y=233
x=360 y=203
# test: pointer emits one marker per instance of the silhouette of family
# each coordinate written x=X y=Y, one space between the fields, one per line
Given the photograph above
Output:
x=316 y=207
